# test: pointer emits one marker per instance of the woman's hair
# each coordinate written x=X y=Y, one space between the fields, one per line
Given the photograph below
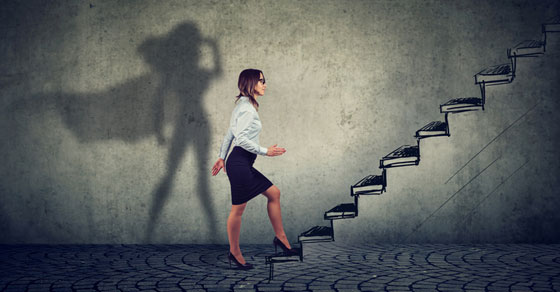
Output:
x=246 y=83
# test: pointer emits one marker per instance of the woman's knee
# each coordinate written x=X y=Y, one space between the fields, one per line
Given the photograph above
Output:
x=273 y=193
x=237 y=210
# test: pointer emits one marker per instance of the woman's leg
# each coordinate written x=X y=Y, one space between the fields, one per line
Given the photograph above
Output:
x=233 y=230
x=275 y=215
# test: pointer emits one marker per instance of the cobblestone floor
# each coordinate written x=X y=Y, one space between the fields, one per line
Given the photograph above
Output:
x=326 y=267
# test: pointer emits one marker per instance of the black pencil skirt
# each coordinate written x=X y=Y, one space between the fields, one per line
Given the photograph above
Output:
x=246 y=182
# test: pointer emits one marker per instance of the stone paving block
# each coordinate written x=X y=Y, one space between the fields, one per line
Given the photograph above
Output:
x=299 y=280
x=64 y=289
x=190 y=287
x=320 y=282
x=307 y=277
x=429 y=281
x=349 y=281
x=227 y=282
x=150 y=283
x=124 y=289
x=517 y=288
x=244 y=285
x=424 y=286
x=277 y=288
x=346 y=286
x=167 y=285
x=218 y=289
x=320 y=286
x=397 y=289
x=295 y=285
x=477 y=284
x=268 y=285
x=457 y=286
x=256 y=278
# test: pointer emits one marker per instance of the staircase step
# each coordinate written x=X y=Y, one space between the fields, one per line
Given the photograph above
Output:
x=552 y=25
x=462 y=104
x=280 y=257
x=317 y=234
x=370 y=185
x=433 y=129
x=403 y=156
x=342 y=211
x=529 y=48
x=499 y=74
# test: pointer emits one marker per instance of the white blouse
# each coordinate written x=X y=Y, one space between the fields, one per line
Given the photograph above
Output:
x=244 y=129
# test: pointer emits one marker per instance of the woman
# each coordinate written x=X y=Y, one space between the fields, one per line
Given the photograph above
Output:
x=247 y=182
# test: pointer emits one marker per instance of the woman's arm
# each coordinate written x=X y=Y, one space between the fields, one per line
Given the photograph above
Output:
x=224 y=149
x=226 y=144
x=247 y=124
x=217 y=60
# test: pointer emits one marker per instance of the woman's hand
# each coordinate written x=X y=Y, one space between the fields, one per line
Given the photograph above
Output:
x=218 y=166
x=275 y=151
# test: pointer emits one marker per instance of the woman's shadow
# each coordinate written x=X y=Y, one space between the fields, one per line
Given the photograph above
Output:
x=172 y=93
x=175 y=60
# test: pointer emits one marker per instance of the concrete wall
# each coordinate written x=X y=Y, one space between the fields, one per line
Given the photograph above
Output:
x=112 y=113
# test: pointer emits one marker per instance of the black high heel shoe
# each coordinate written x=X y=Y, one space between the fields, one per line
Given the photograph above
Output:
x=287 y=251
x=246 y=266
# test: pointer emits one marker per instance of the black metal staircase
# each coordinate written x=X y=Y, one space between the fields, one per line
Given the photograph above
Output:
x=409 y=155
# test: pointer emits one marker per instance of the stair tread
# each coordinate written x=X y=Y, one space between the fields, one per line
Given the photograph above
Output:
x=403 y=156
x=551 y=24
x=553 y=20
x=465 y=100
x=345 y=207
x=502 y=69
x=369 y=185
x=495 y=75
x=435 y=128
x=529 y=44
x=342 y=211
x=403 y=151
x=317 y=233
x=461 y=104
x=527 y=48
x=281 y=257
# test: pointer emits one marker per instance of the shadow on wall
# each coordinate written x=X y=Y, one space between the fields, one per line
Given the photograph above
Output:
x=139 y=108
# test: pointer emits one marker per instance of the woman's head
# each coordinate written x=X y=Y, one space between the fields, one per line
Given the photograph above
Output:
x=251 y=83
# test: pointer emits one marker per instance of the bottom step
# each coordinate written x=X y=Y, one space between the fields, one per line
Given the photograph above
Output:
x=317 y=234
x=281 y=258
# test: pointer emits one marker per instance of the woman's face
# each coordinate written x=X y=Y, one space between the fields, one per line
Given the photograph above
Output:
x=260 y=86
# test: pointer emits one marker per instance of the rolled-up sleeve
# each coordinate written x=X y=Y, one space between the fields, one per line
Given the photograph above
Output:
x=247 y=126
